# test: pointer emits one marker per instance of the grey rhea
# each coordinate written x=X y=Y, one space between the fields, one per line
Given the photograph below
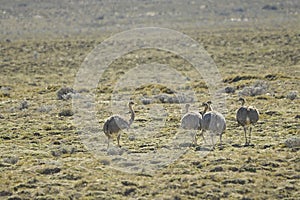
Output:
x=114 y=124
x=247 y=116
x=212 y=121
x=191 y=120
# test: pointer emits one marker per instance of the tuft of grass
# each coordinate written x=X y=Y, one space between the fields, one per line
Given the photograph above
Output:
x=65 y=93
x=24 y=105
x=49 y=171
x=239 y=78
x=66 y=113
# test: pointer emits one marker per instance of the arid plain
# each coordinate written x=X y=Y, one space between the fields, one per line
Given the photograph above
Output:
x=43 y=155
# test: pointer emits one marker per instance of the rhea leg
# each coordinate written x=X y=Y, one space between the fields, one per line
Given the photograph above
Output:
x=212 y=140
x=108 y=140
x=118 y=139
x=250 y=130
x=245 y=131
x=202 y=134
x=195 y=138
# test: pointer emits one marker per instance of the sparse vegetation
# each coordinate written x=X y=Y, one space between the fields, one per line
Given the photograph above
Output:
x=43 y=155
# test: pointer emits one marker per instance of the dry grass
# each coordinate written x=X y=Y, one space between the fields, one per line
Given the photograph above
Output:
x=43 y=157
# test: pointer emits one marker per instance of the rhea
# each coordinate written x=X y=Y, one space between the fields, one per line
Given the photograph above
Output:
x=212 y=121
x=247 y=116
x=191 y=121
x=114 y=124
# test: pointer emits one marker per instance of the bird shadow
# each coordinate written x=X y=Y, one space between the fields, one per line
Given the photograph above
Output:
x=243 y=145
x=203 y=148
x=219 y=147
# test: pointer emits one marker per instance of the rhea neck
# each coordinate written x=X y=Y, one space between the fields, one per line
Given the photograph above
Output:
x=243 y=101
x=207 y=108
x=187 y=107
x=132 y=114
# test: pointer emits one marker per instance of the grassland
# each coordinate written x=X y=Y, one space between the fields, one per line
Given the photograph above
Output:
x=43 y=156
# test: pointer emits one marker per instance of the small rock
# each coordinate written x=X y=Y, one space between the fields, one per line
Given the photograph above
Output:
x=292 y=142
x=196 y=162
x=5 y=137
x=128 y=183
x=32 y=181
x=14 y=198
x=238 y=10
x=100 y=17
x=234 y=169
x=36 y=134
x=131 y=137
x=199 y=148
x=49 y=171
x=269 y=7
x=271 y=77
x=271 y=113
x=128 y=191
x=267 y=146
x=178 y=198
x=229 y=90
x=179 y=98
x=66 y=113
x=237 y=145
x=71 y=177
x=271 y=164
x=5 y=193
x=292 y=95
x=247 y=169
x=11 y=160
x=24 y=105
x=234 y=181
x=163 y=98
x=146 y=101
x=105 y=162
x=185 y=144
x=217 y=169
x=65 y=93
x=200 y=166
x=258 y=88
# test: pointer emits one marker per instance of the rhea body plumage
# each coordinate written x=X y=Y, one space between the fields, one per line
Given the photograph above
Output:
x=114 y=124
x=191 y=120
x=212 y=121
x=247 y=116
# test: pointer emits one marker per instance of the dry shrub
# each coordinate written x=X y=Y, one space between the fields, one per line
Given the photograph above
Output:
x=258 y=88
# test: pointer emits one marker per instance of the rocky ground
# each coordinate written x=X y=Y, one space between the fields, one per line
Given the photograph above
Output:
x=45 y=154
